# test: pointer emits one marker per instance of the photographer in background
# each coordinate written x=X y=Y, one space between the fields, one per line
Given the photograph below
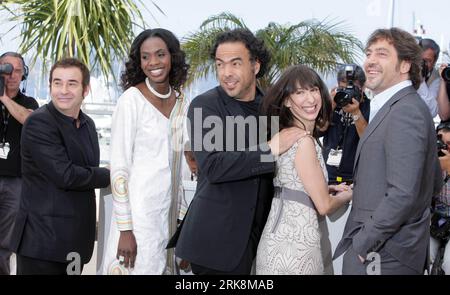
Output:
x=429 y=87
x=15 y=108
x=440 y=220
x=444 y=90
x=349 y=120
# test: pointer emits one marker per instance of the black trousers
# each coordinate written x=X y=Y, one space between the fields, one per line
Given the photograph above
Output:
x=10 y=189
x=243 y=268
x=33 y=266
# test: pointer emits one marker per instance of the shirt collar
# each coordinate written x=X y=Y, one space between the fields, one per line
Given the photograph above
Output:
x=379 y=100
x=67 y=119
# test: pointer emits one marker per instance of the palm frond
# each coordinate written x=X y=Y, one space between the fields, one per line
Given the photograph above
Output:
x=320 y=45
x=98 y=32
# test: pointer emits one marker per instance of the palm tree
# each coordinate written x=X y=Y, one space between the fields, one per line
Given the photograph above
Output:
x=98 y=32
x=320 y=45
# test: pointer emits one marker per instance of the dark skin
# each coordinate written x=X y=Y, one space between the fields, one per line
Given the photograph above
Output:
x=190 y=160
x=127 y=242
x=164 y=106
x=155 y=62
x=127 y=248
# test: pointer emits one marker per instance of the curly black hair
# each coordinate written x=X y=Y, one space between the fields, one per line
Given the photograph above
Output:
x=133 y=74
x=256 y=47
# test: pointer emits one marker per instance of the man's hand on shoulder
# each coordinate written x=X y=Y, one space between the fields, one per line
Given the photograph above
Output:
x=283 y=140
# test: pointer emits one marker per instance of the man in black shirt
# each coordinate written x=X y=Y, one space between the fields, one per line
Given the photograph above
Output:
x=15 y=108
x=54 y=229
x=223 y=225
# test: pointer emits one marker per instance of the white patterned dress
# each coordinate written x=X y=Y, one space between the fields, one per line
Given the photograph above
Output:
x=294 y=239
x=146 y=149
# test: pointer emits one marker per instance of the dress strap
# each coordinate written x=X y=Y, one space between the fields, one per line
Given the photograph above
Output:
x=305 y=136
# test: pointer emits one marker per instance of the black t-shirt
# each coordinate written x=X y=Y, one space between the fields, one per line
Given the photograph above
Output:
x=11 y=166
x=349 y=142
x=252 y=108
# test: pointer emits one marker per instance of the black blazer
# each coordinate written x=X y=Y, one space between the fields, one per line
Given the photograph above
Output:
x=57 y=213
x=218 y=224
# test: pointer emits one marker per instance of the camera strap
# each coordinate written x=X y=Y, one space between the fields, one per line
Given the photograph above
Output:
x=347 y=121
x=5 y=117
x=335 y=155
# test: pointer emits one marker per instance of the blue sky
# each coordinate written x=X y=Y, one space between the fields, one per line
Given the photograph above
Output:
x=360 y=17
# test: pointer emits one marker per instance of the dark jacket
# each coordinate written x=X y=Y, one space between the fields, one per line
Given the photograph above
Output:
x=58 y=211
x=234 y=189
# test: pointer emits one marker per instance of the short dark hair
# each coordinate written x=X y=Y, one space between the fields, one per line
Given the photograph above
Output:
x=444 y=126
x=359 y=74
x=407 y=50
x=69 y=63
x=430 y=44
x=256 y=47
x=133 y=73
x=287 y=84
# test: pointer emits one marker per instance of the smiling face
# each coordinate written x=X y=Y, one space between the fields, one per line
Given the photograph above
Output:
x=156 y=62
x=305 y=104
x=382 y=67
x=236 y=71
x=66 y=90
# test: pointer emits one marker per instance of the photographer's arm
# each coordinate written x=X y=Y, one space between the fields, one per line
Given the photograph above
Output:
x=443 y=99
x=360 y=123
x=429 y=95
x=17 y=111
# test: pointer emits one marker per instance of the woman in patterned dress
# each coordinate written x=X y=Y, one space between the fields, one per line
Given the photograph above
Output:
x=292 y=240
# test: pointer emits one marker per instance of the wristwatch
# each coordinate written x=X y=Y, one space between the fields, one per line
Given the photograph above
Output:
x=355 y=118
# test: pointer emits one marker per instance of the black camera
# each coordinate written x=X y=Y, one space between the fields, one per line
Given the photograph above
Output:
x=446 y=74
x=344 y=95
x=441 y=145
x=4 y=69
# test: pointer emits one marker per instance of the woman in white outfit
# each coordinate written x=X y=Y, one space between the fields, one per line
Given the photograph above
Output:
x=146 y=150
x=294 y=240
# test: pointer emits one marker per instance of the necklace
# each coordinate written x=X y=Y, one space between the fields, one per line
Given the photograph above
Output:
x=156 y=93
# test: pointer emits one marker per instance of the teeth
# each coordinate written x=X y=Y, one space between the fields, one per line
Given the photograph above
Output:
x=310 y=109
x=156 y=72
x=231 y=84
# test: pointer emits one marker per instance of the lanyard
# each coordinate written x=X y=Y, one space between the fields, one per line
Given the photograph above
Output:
x=5 y=117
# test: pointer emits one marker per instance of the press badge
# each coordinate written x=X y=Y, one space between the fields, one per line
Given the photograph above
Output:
x=4 y=150
x=334 y=158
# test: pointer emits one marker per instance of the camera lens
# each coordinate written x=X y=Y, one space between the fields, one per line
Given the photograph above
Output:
x=446 y=74
x=342 y=98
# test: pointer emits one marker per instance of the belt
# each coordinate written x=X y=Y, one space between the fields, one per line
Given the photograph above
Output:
x=287 y=194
